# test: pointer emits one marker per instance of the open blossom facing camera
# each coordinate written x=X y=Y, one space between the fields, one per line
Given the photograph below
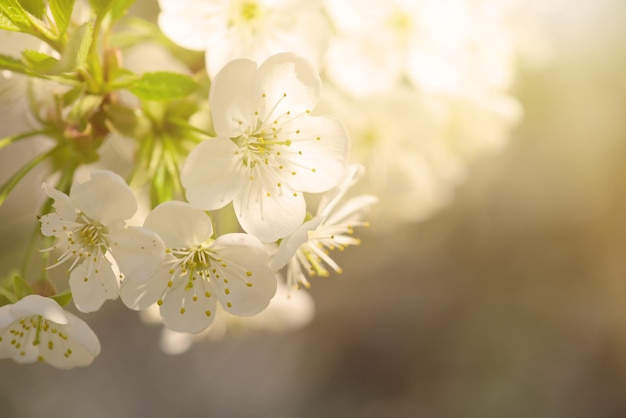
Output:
x=37 y=328
x=253 y=29
x=269 y=147
x=90 y=228
x=199 y=272
x=332 y=228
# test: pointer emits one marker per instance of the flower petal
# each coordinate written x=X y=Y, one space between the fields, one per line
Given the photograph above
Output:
x=80 y=348
x=105 y=198
x=290 y=85
x=92 y=283
x=187 y=23
x=251 y=284
x=139 y=295
x=318 y=154
x=62 y=203
x=38 y=305
x=210 y=174
x=183 y=313
x=138 y=252
x=353 y=174
x=290 y=244
x=269 y=218
x=179 y=224
x=235 y=97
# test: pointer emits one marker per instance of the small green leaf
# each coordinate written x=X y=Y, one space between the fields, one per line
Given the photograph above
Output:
x=17 y=17
x=6 y=23
x=62 y=12
x=80 y=43
x=14 y=64
x=40 y=62
x=163 y=86
x=21 y=287
x=34 y=7
x=116 y=7
x=63 y=298
x=119 y=8
x=100 y=6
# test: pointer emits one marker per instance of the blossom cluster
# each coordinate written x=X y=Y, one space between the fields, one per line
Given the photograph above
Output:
x=203 y=169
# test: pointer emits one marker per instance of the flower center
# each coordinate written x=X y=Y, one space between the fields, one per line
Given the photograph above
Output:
x=89 y=237
x=249 y=10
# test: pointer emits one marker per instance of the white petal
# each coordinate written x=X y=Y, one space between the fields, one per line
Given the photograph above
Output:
x=38 y=305
x=188 y=23
x=353 y=174
x=179 y=224
x=269 y=217
x=210 y=174
x=290 y=84
x=102 y=284
x=6 y=316
x=141 y=295
x=82 y=342
x=351 y=210
x=290 y=244
x=62 y=203
x=235 y=97
x=51 y=225
x=318 y=154
x=138 y=252
x=251 y=284
x=105 y=198
x=181 y=313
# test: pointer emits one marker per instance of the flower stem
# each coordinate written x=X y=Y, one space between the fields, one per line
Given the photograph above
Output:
x=12 y=139
x=13 y=181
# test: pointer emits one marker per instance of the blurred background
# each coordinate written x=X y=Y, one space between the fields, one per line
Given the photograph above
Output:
x=509 y=302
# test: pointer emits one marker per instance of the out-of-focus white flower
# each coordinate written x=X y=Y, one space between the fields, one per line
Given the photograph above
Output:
x=37 y=328
x=199 y=271
x=442 y=46
x=269 y=148
x=253 y=29
x=287 y=311
x=332 y=228
x=90 y=228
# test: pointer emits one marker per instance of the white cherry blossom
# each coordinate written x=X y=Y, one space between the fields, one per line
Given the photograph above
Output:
x=332 y=228
x=90 y=228
x=36 y=328
x=253 y=29
x=198 y=271
x=269 y=147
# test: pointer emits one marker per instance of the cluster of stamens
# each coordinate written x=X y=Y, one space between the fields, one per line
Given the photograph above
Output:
x=200 y=262
x=34 y=330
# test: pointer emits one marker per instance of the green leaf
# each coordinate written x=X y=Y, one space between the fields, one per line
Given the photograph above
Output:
x=6 y=23
x=163 y=85
x=34 y=7
x=119 y=8
x=21 y=287
x=17 y=17
x=14 y=64
x=80 y=42
x=62 y=12
x=40 y=62
x=63 y=298
x=116 y=7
